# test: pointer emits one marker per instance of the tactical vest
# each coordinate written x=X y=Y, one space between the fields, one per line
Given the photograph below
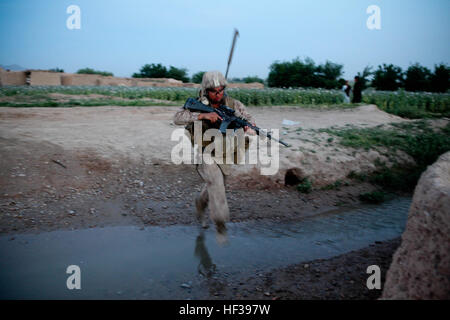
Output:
x=206 y=124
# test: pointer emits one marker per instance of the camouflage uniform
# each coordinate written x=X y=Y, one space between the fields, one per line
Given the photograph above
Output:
x=213 y=192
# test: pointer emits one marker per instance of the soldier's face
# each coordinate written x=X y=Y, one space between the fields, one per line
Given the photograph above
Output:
x=215 y=95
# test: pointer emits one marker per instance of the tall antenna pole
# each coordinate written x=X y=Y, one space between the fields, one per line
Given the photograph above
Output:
x=236 y=33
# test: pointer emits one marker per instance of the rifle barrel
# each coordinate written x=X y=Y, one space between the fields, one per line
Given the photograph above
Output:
x=236 y=33
x=267 y=134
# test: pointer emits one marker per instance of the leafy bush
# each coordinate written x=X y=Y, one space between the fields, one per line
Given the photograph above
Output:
x=159 y=71
x=440 y=79
x=333 y=186
x=388 y=78
x=151 y=71
x=56 y=70
x=248 y=79
x=364 y=76
x=419 y=140
x=305 y=186
x=417 y=78
x=178 y=74
x=198 y=77
x=92 y=71
x=298 y=73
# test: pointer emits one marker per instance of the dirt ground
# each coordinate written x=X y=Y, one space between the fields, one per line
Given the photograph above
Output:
x=64 y=169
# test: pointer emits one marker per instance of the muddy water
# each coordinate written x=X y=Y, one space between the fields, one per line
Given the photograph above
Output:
x=172 y=262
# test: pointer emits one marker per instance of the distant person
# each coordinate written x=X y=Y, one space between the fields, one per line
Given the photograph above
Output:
x=346 y=89
x=357 y=89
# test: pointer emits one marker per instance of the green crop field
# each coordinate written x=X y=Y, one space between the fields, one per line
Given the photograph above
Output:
x=410 y=104
x=401 y=103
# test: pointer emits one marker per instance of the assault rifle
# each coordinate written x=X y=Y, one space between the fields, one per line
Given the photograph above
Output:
x=229 y=119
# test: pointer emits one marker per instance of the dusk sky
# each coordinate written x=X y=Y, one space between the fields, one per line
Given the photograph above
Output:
x=121 y=36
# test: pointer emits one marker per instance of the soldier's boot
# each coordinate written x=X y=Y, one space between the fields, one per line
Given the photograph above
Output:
x=201 y=202
x=221 y=232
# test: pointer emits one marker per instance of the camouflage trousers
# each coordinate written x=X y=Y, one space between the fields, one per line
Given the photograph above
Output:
x=213 y=195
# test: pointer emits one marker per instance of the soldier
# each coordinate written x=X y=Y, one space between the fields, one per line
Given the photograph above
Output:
x=212 y=93
x=357 y=88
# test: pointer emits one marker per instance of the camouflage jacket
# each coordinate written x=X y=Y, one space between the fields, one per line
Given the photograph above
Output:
x=187 y=118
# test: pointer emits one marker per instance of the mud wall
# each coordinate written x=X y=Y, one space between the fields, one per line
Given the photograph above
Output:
x=420 y=267
x=142 y=82
x=253 y=85
x=13 y=78
x=45 y=78
x=82 y=80
x=112 y=81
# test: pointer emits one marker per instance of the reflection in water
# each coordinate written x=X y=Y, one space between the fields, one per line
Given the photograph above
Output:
x=128 y=263
x=205 y=267
x=221 y=234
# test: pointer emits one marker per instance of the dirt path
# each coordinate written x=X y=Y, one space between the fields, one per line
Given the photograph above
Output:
x=86 y=167
x=144 y=132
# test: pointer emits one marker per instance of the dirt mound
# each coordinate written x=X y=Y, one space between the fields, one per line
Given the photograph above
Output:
x=421 y=266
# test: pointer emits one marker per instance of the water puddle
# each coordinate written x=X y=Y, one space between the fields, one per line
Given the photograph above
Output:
x=169 y=262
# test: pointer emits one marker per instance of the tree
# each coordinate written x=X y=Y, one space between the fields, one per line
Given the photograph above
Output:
x=292 y=74
x=236 y=80
x=159 y=71
x=328 y=75
x=151 y=71
x=440 y=79
x=251 y=79
x=56 y=70
x=417 y=78
x=363 y=77
x=92 y=71
x=198 y=77
x=298 y=73
x=178 y=74
x=388 y=77
x=247 y=79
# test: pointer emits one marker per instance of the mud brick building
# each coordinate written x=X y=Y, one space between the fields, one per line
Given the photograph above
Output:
x=49 y=78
